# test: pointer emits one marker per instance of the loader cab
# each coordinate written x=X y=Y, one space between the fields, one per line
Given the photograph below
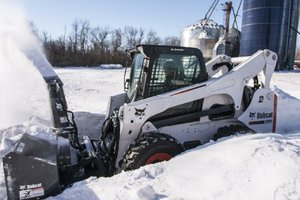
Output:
x=159 y=69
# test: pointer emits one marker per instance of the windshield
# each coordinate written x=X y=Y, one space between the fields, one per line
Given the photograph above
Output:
x=135 y=73
x=173 y=71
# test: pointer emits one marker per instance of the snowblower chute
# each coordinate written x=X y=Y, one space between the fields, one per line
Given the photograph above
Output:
x=173 y=101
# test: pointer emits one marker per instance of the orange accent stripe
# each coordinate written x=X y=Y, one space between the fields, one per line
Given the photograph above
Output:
x=187 y=90
x=275 y=114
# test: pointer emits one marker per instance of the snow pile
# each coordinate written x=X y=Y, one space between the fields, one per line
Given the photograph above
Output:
x=88 y=89
x=285 y=84
x=260 y=166
x=22 y=89
x=111 y=66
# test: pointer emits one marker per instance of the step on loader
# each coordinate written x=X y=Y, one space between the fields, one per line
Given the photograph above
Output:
x=173 y=101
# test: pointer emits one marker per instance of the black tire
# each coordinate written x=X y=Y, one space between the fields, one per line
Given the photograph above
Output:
x=149 y=149
x=232 y=130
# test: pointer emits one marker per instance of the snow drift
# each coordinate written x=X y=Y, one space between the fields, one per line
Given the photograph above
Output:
x=260 y=166
x=111 y=66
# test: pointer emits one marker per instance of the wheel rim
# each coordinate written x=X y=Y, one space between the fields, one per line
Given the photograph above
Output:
x=158 y=157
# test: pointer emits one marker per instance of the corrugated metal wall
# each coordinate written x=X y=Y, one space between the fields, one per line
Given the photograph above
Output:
x=261 y=25
x=270 y=24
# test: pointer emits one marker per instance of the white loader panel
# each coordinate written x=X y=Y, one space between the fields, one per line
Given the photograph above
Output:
x=260 y=116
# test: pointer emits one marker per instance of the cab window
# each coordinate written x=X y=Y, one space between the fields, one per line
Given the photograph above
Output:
x=173 y=71
x=135 y=73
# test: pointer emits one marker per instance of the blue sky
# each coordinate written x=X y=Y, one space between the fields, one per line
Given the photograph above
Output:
x=166 y=17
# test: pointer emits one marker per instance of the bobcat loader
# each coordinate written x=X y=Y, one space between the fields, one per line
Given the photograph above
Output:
x=172 y=102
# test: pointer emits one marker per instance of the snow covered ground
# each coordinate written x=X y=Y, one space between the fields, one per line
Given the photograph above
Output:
x=260 y=166
x=248 y=167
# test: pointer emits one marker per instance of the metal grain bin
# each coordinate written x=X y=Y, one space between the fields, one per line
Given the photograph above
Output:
x=202 y=35
x=270 y=24
x=261 y=25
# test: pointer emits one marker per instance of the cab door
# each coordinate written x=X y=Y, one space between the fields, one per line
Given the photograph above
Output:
x=171 y=71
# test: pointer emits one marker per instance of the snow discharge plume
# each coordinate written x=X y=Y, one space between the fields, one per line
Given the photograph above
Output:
x=23 y=93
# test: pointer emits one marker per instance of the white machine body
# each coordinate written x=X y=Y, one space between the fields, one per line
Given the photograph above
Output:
x=222 y=88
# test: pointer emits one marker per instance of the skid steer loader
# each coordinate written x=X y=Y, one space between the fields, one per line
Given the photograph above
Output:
x=172 y=102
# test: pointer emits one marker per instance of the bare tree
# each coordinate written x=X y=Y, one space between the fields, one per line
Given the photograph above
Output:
x=84 y=30
x=171 y=41
x=99 y=38
x=46 y=38
x=116 y=40
x=140 y=37
x=88 y=46
x=73 y=38
x=130 y=34
x=152 y=38
x=79 y=36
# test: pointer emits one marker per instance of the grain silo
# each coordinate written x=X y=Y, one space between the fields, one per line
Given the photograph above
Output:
x=202 y=35
x=270 y=24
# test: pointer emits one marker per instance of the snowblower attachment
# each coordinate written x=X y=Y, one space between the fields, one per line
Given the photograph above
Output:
x=39 y=167
x=25 y=166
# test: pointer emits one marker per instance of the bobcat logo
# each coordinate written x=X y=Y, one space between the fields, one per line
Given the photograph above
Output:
x=58 y=106
x=252 y=115
x=27 y=194
x=139 y=112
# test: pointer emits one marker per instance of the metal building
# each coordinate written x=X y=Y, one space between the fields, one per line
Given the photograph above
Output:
x=202 y=35
x=270 y=24
x=228 y=44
